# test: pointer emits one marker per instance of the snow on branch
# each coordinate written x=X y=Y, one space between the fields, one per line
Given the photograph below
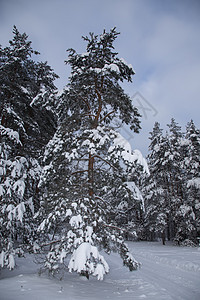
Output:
x=123 y=148
x=13 y=135
x=195 y=182
x=136 y=192
x=87 y=259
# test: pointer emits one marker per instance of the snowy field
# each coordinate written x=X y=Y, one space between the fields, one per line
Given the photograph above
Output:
x=167 y=272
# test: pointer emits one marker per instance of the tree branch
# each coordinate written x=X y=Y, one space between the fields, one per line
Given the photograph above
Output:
x=81 y=171
x=85 y=101
x=100 y=102
x=107 y=162
x=115 y=227
x=107 y=115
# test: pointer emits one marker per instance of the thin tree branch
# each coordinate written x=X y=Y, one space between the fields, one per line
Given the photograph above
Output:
x=88 y=115
x=97 y=197
x=85 y=101
x=107 y=162
x=115 y=227
x=81 y=171
x=107 y=115
x=100 y=102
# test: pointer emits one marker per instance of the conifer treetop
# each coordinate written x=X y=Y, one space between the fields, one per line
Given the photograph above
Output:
x=94 y=87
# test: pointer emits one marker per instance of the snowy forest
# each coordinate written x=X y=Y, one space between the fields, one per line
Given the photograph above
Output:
x=71 y=186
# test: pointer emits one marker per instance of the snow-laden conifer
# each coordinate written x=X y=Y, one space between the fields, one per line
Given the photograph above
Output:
x=87 y=164
x=155 y=189
x=191 y=209
x=24 y=130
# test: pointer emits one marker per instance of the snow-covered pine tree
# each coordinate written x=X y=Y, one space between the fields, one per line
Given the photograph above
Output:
x=86 y=160
x=191 y=207
x=155 y=191
x=24 y=130
x=169 y=182
x=175 y=180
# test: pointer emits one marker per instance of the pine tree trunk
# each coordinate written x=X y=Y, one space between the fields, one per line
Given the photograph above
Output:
x=91 y=157
x=163 y=237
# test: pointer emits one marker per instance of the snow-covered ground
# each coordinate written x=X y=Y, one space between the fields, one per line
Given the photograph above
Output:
x=167 y=272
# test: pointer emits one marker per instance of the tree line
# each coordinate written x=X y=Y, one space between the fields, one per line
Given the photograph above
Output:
x=172 y=191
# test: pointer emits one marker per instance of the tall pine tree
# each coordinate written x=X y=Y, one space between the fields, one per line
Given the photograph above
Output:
x=191 y=208
x=88 y=163
x=155 y=190
x=25 y=130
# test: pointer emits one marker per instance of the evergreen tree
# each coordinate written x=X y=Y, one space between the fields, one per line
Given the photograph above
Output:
x=88 y=163
x=155 y=190
x=192 y=169
x=174 y=178
x=25 y=130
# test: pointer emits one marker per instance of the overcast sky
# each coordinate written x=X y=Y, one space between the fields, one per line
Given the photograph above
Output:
x=161 y=39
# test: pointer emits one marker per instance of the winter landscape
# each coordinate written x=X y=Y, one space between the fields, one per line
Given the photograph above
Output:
x=83 y=214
